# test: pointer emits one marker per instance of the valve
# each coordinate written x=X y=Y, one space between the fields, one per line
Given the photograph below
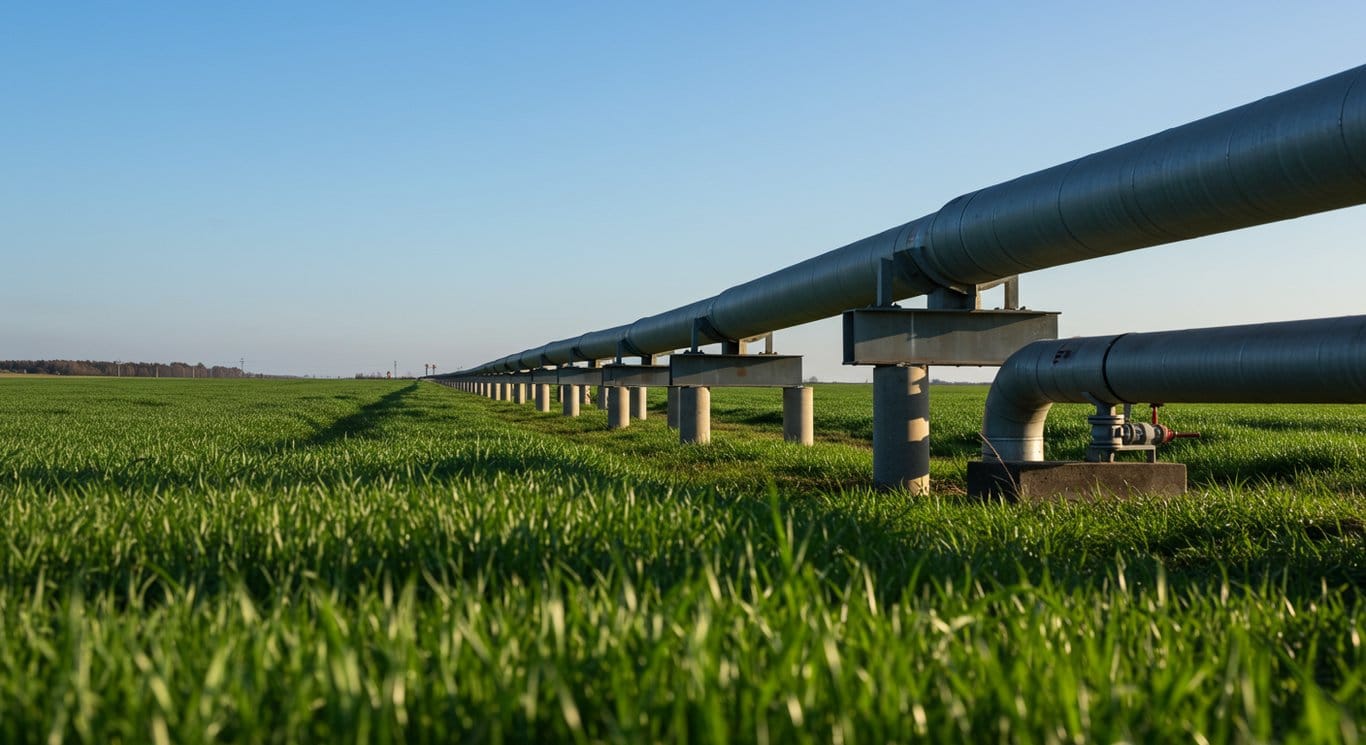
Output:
x=1174 y=435
x=1113 y=433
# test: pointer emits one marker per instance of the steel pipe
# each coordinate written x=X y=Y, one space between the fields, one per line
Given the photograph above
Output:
x=1291 y=154
x=1317 y=361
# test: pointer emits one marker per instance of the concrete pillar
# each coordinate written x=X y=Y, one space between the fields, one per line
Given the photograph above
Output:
x=797 y=415
x=586 y=393
x=901 y=427
x=498 y=391
x=569 y=396
x=639 y=402
x=603 y=396
x=559 y=395
x=694 y=416
x=618 y=407
x=543 y=398
x=673 y=406
x=519 y=393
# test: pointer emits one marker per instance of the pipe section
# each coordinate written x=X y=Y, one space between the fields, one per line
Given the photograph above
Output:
x=1292 y=154
x=1316 y=361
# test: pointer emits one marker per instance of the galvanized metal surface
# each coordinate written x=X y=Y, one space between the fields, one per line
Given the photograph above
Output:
x=1315 y=361
x=735 y=370
x=890 y=336
x=1295 y=153
x=579 y=376
x=635 y=375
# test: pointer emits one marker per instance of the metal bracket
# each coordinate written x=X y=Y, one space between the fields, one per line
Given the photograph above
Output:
x=702 y=328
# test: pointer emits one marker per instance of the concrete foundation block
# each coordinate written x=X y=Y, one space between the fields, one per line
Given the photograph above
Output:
x=1073 y=480
x=798 y=416
x=618 y=407
x=640 y=402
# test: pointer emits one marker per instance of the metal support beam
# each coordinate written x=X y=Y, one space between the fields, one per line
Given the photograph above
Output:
x=634 y=376
x=892 y=336
x=735 y=370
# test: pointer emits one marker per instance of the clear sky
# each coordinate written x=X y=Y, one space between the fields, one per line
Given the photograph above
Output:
x=325 y=188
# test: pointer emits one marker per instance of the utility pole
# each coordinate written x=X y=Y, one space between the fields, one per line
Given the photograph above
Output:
x=242 y=365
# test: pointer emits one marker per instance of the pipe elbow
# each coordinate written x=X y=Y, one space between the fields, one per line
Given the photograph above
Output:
x=1016 y=407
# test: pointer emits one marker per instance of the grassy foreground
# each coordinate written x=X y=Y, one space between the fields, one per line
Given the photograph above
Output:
x=202 y=561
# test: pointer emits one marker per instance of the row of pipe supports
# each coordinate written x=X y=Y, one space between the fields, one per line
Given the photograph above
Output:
x=689 y=407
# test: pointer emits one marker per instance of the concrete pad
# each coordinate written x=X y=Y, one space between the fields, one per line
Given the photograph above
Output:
x=1046 y=480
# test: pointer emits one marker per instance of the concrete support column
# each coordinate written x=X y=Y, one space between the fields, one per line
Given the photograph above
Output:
x=694 y=416
x=559 y=395
x=543 y=398
x=901 y=427
x=673 y=407
x=618 y=407
x=519 y=393
x=639 y=403
x=586 y=391
x=569 y=396
x=500 y=391
x=604 y=396
x=798 y=414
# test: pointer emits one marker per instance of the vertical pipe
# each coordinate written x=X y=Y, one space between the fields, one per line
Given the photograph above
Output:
x=798 y=415
x=639 y=402
x=901 y=427
x=618 y=407
x=569 y=396
x=694 y=415
x=673 y=406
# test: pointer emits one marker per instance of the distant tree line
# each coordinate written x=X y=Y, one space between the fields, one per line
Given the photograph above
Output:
x=123 y=369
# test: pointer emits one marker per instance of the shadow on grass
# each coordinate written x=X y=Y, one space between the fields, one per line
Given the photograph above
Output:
x=363 y=422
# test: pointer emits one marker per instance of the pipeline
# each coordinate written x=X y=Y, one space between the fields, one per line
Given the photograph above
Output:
x=1315 y=361
x=1292 y=154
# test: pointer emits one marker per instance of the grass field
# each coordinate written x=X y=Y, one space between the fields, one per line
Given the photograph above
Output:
x=203 y=561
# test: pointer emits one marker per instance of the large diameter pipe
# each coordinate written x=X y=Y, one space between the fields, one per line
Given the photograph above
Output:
x=1316 y=361
x=1292 y=154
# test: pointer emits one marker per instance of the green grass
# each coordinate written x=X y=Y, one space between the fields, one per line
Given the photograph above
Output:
x=202 y=561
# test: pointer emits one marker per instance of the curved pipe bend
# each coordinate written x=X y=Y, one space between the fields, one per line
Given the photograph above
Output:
x=1316 y=361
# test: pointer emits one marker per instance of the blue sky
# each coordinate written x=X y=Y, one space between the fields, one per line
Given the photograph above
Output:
x=326 y=188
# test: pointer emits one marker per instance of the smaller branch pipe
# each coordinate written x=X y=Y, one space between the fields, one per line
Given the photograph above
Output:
x=1315 y=361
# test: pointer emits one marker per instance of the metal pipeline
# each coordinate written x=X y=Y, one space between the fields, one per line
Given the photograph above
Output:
x=1316 y=361
x=1291 y=154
